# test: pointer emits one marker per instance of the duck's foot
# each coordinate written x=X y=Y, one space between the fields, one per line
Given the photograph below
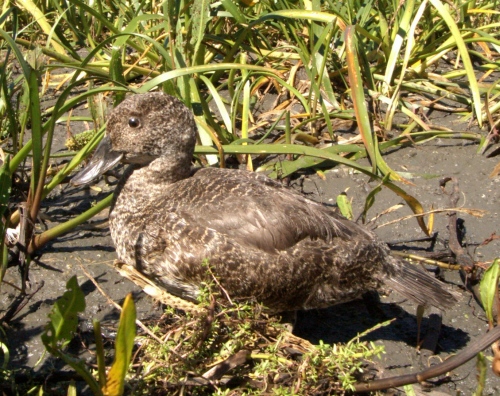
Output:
x=158 y=293
x=372 y=303
x=288 y=319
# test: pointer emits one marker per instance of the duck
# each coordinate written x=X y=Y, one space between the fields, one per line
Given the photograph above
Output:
x=179 y=225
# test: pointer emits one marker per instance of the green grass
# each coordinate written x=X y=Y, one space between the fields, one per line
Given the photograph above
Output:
x=196 y=346
x=227 y=55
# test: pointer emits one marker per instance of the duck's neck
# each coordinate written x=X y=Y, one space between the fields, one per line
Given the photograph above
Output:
x=165 y=170
x=148 y=182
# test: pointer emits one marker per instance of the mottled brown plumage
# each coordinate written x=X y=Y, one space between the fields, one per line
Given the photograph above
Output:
x=262 y=240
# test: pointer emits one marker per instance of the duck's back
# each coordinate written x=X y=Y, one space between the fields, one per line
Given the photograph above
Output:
x=256 y=210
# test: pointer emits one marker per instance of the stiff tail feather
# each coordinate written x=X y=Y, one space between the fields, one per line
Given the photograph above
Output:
x=419 y=286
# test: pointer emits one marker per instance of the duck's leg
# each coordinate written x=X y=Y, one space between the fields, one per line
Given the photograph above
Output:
x=153 y=290
x=288 y=319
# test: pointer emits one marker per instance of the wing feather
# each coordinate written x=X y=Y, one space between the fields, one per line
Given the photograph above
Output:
x=240 y=207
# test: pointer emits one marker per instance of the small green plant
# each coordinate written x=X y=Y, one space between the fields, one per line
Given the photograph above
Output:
x=236 y=348
x=345 y=206
x=63 y=323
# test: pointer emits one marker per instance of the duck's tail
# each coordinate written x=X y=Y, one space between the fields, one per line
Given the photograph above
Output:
x=419 y=286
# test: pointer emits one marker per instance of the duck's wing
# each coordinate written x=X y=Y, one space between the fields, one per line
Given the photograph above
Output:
x=255 y=210
x=311 y=274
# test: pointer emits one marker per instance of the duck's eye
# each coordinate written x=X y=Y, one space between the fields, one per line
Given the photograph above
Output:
x=134 y=122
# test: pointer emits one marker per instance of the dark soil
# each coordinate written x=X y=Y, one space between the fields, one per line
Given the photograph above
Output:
x=90 y=246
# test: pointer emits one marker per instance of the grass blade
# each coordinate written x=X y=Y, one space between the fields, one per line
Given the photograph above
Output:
x=464 y=53
x=39 y=17
x=362 y=117
x=402 y=30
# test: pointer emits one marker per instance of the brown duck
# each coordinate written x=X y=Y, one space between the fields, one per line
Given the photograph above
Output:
x=262 y=241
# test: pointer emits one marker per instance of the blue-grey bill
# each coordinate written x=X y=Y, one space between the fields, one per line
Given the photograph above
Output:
x=102 y=160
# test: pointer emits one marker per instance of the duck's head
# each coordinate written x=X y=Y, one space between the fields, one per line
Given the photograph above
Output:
x=141 y=129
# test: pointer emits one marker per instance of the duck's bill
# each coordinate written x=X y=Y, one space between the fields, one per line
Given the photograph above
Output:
x=102 y=160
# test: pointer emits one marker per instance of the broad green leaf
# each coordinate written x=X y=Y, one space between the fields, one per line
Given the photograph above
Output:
x=226 y=118
x=412 y=202
x=59 y=331
x=41 y=155
x=488 y=289
x=72 y=389
x=116 y=73
x=202 y=69
x=132 y=27
x=317 y=16
x=64 y=316
x=409 y=391
x=60 y=109
x=285 y=168
x=481 y=366
x=5 y=355
x=63 y=228
x=123 y=349
x=231 y=7
x=99 y=352
x=80 y=367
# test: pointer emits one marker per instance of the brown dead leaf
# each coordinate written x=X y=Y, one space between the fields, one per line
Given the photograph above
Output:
x=496 y=171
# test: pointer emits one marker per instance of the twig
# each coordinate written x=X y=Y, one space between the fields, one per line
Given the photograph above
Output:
x=218 y=284
x=110 y=300
x=462 y=257
x=425 y=260
x=454 y=209
x=450 y=364
x=19 y=303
